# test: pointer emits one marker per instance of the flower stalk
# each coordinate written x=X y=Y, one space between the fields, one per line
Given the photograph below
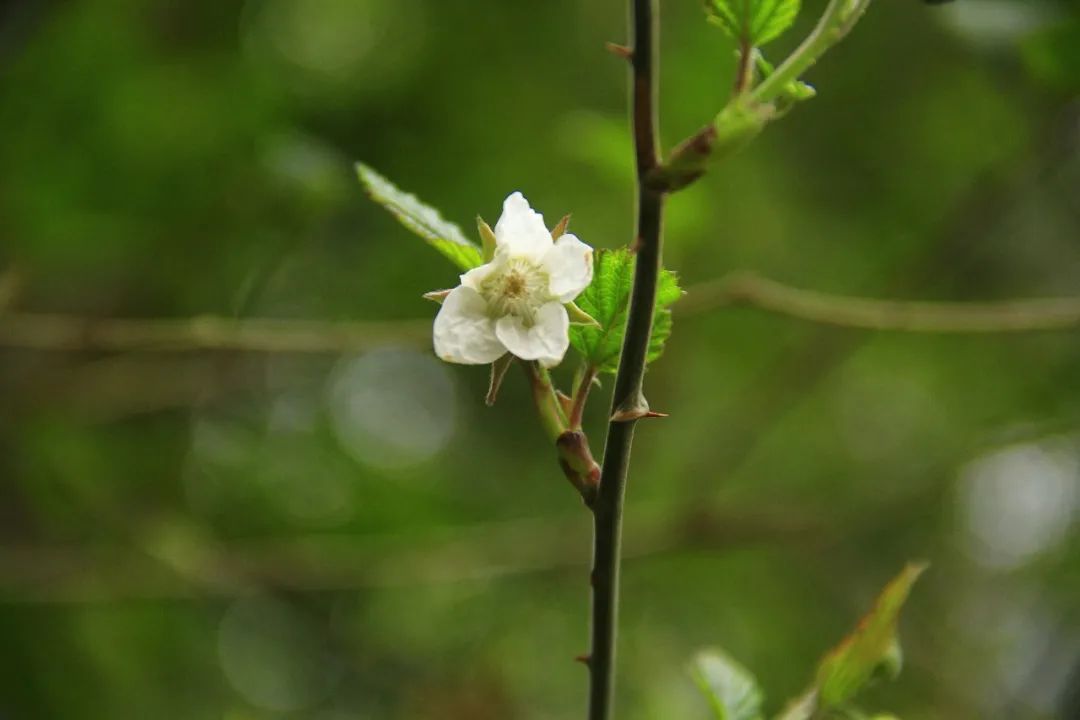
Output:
x=548 y=407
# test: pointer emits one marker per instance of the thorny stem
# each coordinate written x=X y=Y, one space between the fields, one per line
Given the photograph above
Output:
x=607 y=508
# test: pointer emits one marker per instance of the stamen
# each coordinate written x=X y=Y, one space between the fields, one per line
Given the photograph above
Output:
x=519 y=290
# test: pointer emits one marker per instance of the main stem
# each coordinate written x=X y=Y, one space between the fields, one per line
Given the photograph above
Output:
x=607 y=509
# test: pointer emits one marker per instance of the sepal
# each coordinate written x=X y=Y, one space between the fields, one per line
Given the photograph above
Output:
x=487 y=239
x=579 y=316
x=436 y=296
x=498 y=372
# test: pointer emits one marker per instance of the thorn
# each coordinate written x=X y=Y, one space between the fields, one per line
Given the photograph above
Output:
x=585 y=659
x=654 y=414
x=636 y=245
x=619 y=50
x=560 y=228
x=631 y=409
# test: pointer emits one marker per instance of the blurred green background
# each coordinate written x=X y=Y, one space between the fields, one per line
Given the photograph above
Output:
x=319 y=536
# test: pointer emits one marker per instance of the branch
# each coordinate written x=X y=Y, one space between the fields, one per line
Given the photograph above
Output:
x=72 y=333
x=581 y=396
x=870 y=314
x=750 y=110
x=835 y=23
x=40 y=331
x=171 y=559
x=627 y=398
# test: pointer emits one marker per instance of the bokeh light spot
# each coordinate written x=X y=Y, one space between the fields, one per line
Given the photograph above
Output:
x=1019 y=501
x=275 y=656
x=392 y=408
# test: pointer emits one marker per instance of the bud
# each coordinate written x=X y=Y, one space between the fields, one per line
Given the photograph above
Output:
x=578 y=464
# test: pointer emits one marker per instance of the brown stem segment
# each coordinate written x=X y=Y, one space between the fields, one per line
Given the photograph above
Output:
x=745 y=72
x=577 y=409
x=607 y=509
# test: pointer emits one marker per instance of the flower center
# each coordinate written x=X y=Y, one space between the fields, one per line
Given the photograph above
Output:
x=514 y=285
x=519 y=289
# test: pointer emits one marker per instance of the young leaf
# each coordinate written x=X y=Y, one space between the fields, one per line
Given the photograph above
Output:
x=754 y=22
x=425 y=221
x=606 y=300
x=732 y=691
x=794 y=91
x=801 y=708
x=870 y=650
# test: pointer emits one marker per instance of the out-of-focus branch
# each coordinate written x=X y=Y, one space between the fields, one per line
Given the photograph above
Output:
x=9 y=287
x=749 y=289
x=172 y=559
x=42 y=331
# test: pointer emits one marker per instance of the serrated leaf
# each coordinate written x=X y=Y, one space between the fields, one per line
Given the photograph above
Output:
x=422 y=219
x=754 y=22
x=872 y=649
x=606 y=300
x=732 y=691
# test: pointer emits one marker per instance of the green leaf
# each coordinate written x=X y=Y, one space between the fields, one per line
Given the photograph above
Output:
x=732 y=691
x=754 y=22
x=606 y=300
x=425 y=221
x=871 y=650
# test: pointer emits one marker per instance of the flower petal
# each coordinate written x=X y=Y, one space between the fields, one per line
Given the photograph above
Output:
x=570 y=266
x=547 y=340
x=475 y=277
x=463 y=331
x=521 y=229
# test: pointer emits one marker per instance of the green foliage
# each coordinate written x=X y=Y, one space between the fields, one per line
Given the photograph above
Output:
x=242 y=199
x=872 y=649
x=754 y=22
x=732 y=691
x=424 y=220
x=606 y=301
x=1053 y=55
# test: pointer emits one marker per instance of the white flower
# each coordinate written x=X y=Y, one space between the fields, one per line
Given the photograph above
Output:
x=515 y=302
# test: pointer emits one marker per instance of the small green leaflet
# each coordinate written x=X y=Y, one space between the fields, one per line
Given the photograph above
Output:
x=425 y=221
x=754 y=22
x=606 y=300
x=732 y=691
x=872 y=649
